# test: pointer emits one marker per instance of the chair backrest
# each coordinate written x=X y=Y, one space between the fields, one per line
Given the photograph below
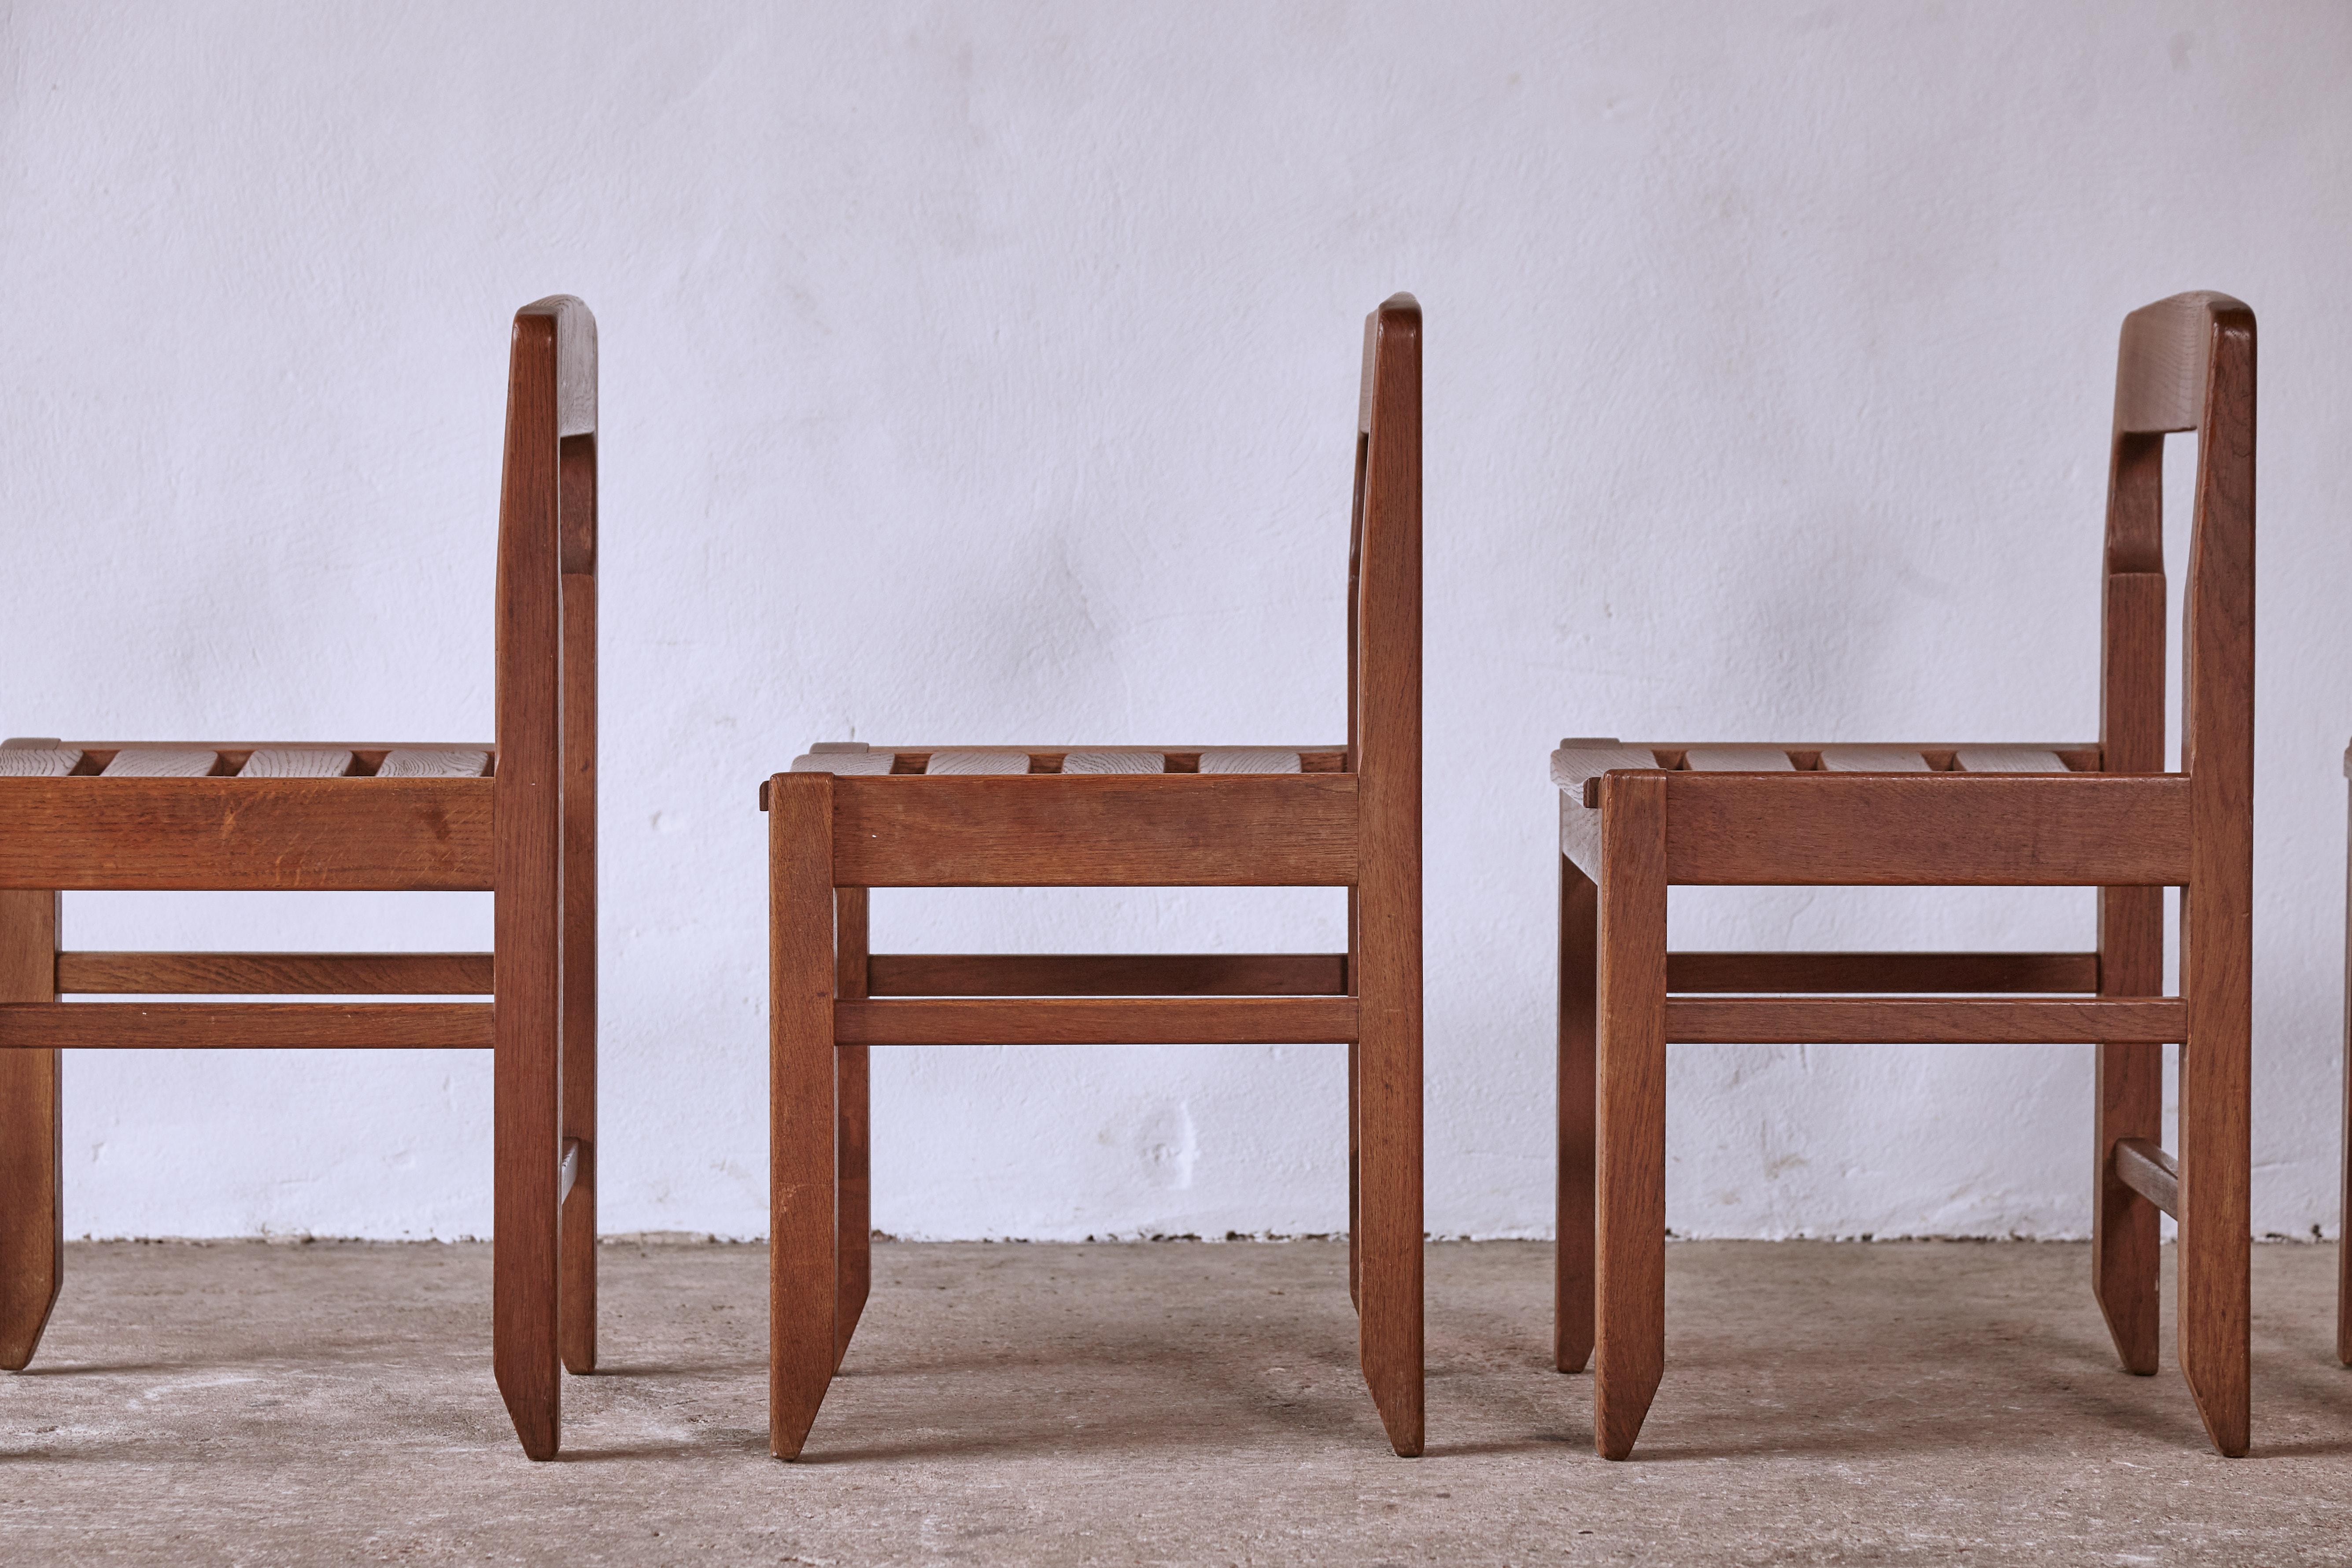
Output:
x=546 y=589
x=1384 y=553
x=2185 y=364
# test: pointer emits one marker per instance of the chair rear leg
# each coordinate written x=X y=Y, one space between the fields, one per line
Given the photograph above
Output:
x=1355 y=1187
x=2216 y=1173
x=1572 y=1335
x=802 y=1117
x=853 y=1104
x=525 y=1259
x=2129 y=1103
x=1631 y=1051
x=32 y=1209
x=576 y=1307
x=1388 y=1118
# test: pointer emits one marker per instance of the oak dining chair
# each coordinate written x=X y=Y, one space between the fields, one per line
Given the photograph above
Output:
x=1636 y=819
x=516 y=819
x=848 y=817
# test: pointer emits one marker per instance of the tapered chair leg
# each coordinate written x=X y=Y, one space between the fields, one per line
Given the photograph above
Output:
x=2129 y=1103
x=1355 y=1189
x=1573 y=1255
x=525 y=1257
x=1388 y=1117
x=577 y=1303
x=2216 y=1167
x=1630 y=1251
x=32 y=1210
x=852 y=1100
x=802 y=1117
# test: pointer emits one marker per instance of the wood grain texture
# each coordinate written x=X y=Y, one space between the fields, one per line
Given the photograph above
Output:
x=31 y=1174
x=2142 y=1165
x=1107 y=974
x=1872 y=1020
x=576 y=560
x=528 y=857
x=246 y=1026
x=2217 y=910
x=1060 y=831
x=1386 y=729
x=2164 y=361
x=804 y=1203
x=1571 y=1333
x=229 y=834
x=1122 y=1021
x=1883 y=971
x=2128 y=1094
x=852 y=1126
x=274 y=973
x=1630 y=1007
x=1930 y=829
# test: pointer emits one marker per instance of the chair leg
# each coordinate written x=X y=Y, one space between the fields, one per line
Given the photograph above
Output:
x=2216 y=1170
x=1355 y=1190
x=32 y=1211
x=1630 y=1005
x=2129 y=1103
x=1571 y=1310
x=853 y=1102
x=576 y=1306
x=802 y=1119
x=527 y=1091
x=1388 y=1120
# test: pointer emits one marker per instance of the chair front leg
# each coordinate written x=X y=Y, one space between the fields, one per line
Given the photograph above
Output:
x=1631 y=1003
x=2129 y=1103
x=1572 y=1254
x=802 y=1117
x=32 y=1210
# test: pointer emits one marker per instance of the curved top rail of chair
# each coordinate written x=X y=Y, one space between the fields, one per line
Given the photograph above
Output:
x=1399 y=313
x=2166 y=355
x=575 y=361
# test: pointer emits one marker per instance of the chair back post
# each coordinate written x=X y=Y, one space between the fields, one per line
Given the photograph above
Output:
x=550 y=462
x=1384 y=560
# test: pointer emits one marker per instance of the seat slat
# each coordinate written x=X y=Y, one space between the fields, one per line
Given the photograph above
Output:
x=1132 y=1021
x=160 y=762
x=229 y=834
x=1873 y=760
x=297 y=763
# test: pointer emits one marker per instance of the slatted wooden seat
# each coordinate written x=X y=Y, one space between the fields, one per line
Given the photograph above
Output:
x=1636 y=819
x=517 y=820
x=848 y=818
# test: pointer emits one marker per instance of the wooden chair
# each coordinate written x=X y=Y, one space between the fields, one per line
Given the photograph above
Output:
x=1634 y=820
x=518 y=820
x=850 y=818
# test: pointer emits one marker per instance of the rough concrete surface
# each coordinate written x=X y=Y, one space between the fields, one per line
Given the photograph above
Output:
x=1155 y=1403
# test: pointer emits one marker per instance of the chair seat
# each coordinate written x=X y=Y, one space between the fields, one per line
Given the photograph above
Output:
x=1579 y=760
x=855 y=759
x=26 y=758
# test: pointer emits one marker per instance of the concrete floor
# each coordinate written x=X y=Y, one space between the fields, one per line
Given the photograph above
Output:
x=1158 y=1402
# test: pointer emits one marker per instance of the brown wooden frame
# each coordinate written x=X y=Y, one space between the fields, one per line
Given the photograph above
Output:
x=2117 y=821
x=1351 y=818
x=525 y=834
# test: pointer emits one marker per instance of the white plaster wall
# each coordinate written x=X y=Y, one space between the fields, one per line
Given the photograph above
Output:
x=983 y=373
